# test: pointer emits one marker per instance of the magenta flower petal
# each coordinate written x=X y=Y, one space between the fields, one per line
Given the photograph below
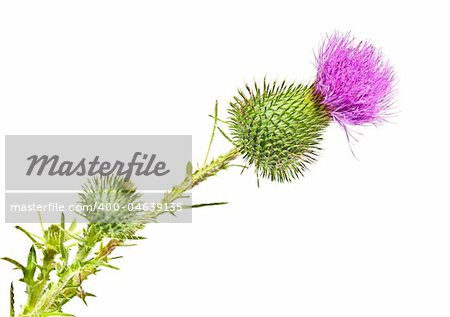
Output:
x=353 y=80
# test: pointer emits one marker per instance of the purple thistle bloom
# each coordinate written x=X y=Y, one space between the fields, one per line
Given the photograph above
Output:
x=353 y=81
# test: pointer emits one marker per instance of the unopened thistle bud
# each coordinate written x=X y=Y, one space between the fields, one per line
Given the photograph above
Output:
x=109 y=206
x=278 y=128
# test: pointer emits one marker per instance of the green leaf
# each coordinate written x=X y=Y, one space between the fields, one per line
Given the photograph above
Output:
x=73 y=226
x=64 y=253
x=137 y=238
x=189 y=168
x=110 y=266
x=11 y=301
x=224 y=134
x=213 y=133
x=116 y=257
x=31 y=267
x=62 y=248
x=31 y=236
x=15 y=263
x=218 y=119
x=206 y=205
x=32 y=260
x=29 y=270
x=63 y=221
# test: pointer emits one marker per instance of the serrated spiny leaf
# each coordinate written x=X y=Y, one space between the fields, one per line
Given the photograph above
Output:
x=12 y=312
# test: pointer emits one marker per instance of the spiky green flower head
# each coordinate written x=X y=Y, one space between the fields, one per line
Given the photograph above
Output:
x=278 y=127
x=109 y=206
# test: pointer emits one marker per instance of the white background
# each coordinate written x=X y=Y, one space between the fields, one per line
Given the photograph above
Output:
x=366 y=237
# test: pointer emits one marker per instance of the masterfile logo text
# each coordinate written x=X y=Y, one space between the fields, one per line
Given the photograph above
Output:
x=51 y=170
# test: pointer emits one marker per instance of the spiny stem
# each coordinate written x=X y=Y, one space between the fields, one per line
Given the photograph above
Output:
x=220 y=163
x=80 y=271
x=11 y=301
x=213 y=132
x=200 y=175
x=38 y=290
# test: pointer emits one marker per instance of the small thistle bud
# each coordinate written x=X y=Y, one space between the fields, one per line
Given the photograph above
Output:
x=353 y=80
x=109 y=206
x=278 y=128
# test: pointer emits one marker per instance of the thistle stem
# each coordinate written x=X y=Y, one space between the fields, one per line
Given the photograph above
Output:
x=36 y=292
x=222 y=162
x=80 y=271
x=216 y=165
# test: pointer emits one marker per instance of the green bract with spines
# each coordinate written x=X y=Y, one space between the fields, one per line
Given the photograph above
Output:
x=110 y=207
x=277 y=127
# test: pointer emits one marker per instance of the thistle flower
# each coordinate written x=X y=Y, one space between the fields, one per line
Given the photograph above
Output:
x=353 y=80
x=277 y=128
